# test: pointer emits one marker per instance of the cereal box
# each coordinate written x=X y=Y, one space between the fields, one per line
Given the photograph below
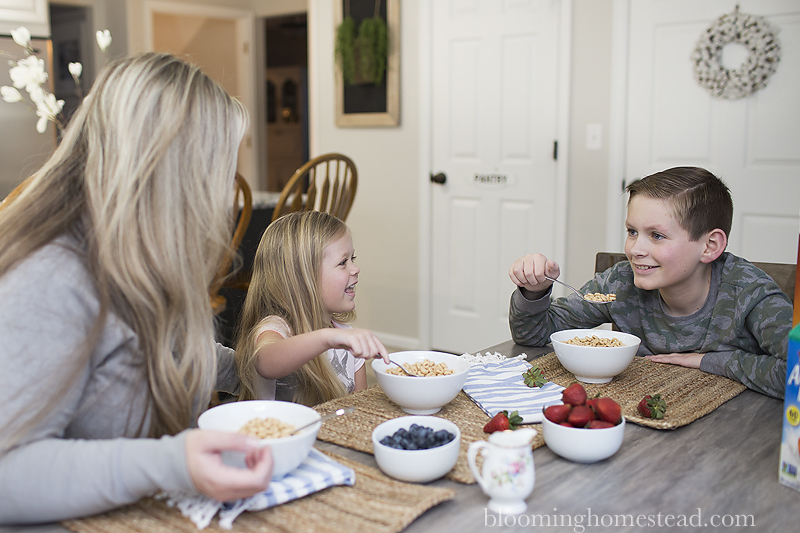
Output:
x=789 y=473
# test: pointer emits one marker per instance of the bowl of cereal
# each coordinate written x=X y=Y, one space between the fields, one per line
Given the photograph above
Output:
x=443 y=375
x=594 y=355
x=416 y=448
x=270 y=421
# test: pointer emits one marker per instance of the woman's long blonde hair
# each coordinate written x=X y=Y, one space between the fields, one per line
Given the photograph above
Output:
x=286 y=283
x=143 y=179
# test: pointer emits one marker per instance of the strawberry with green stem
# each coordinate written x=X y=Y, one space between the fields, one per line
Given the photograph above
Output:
x=503 y=421
x=652 y=406
x=534 y=377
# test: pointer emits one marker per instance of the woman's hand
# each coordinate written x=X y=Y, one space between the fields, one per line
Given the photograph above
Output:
x=222 y=482
x=689 y=360
x=361 y=343
x=529 y=272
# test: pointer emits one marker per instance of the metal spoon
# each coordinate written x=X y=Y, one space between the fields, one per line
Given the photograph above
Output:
x=404 y=370
x=338 y=412
x=576 y=291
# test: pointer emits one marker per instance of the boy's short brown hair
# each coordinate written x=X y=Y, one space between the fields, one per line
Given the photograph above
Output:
x=702 y=202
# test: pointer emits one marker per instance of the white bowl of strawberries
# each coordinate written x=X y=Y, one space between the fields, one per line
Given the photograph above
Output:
x=583 y=430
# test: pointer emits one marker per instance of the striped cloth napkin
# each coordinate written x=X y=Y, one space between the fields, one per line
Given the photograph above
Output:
x=317 y=472
x=496 y=387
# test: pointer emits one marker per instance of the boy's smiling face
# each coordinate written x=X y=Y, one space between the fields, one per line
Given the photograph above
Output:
x=661 y=253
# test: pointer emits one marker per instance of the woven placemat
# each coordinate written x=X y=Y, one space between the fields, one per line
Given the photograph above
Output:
x=689 y=393
x=355 y=430
x=375 y=503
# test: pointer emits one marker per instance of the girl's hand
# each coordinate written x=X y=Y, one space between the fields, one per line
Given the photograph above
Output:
x=220 y=481
x=362 y=343
x=528 y=273
x=689 y=360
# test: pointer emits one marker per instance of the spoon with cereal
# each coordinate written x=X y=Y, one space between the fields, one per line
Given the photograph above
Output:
x=404 y=370
x=594 y=297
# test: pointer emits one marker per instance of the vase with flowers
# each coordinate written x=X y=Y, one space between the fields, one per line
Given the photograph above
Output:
x=29 y=74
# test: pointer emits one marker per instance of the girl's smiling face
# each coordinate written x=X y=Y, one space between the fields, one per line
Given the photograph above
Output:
x=339 y=275
x=660 y=251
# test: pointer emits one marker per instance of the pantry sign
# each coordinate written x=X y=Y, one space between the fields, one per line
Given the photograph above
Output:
x=492 y=179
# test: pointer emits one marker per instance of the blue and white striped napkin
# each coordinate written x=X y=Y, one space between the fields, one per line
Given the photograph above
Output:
x=496 y=387
x=317 y=472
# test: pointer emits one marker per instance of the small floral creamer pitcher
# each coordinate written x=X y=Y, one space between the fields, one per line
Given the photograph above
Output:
x=508 y=472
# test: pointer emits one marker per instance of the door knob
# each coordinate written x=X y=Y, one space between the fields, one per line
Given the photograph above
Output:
x=439 y=178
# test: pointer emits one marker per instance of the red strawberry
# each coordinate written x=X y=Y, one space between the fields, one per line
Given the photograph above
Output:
x=580 y=415
x=575 y=394
x=600 y=424
x=652 y=406
x=592 y=402
x=607 y=410
x=503 y=421
x=557 y=413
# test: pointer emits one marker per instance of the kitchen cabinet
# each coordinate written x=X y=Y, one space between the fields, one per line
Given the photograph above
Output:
x=33 y=14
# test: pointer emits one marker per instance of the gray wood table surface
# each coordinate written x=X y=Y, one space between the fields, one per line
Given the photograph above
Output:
x=719 y=473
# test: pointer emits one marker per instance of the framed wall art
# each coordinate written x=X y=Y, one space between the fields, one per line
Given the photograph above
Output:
x=364 y=99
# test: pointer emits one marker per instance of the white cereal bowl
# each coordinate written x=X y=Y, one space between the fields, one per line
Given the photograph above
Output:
x=416 y=466
x=594 y=364
x=421 y=396
x=582 y=445
x=287 y=452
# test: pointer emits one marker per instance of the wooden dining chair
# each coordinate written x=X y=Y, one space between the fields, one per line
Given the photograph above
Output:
x=14 y=193
x=784 y=274
x=326 y=183
x=243 y=205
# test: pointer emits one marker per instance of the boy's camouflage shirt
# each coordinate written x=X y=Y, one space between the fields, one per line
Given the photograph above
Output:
x=742 y=329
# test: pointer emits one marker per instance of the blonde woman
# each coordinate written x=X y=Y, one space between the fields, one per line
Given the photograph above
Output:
x=108 y=351
x=294 y=343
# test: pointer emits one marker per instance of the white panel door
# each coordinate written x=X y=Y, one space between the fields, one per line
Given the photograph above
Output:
x=494 y=125
x=753 y=144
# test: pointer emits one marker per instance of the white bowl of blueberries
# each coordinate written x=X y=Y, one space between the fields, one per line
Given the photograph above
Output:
x=416 y=448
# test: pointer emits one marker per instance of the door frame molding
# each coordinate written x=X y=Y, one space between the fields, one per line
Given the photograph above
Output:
x=425 y=50
x=246 y=62
x=617 y=127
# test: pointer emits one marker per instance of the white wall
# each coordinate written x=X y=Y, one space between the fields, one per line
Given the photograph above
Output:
x=386 y=213
x=588 y=169
x=384 y=219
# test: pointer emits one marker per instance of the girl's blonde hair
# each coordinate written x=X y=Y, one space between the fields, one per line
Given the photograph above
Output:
x=286 y=283
x=143 y=179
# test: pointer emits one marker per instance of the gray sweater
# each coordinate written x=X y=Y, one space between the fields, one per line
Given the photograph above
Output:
x=742 y=329
x=88 y=453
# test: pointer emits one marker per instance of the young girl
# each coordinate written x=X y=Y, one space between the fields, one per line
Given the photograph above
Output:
x=108 y=336
x=293 y=341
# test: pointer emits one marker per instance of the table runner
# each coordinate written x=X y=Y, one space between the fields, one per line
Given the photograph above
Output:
x=376 y=503
x=690 y=393
x=355 y=430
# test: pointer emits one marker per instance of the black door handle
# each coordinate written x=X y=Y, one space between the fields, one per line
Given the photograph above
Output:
x=439 y=178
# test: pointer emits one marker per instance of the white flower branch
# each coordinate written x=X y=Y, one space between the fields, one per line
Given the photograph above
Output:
x=29 y=74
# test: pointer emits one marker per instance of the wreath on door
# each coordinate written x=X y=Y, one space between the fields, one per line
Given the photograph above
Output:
x=752 y=31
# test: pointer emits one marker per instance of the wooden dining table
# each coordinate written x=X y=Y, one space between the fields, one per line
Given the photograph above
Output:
x=717 y=473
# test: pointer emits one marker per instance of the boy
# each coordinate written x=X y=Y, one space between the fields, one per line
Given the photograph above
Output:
x=690 y=302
